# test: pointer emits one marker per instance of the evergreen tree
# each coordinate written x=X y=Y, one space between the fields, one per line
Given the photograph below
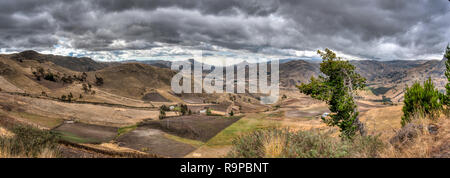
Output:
x=447 y=74
x=336 y=88
x=421 y=100
x=98 y=80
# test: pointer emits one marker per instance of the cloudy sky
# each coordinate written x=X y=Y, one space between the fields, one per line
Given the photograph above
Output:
x=111 y=30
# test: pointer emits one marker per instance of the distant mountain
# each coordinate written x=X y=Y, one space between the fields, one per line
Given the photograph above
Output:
x=384 y=78
x=387 y=78
x=157 y=63
x=134 y=79
x=297 y=71
x=83 y=64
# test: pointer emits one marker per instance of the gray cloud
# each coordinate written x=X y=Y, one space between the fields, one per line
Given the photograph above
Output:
x=381 y=29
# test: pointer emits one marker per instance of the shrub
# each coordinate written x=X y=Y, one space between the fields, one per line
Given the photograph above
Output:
x=162 y=114
x=84 y=76
x=98 y=80
x=70 y=95
x=425 y=101
x=208 y=112
x=282 y=143
x=29 y=142
x=447 y=74
x=50 y=77
x=162 y=111
x=184 y=109
x=85 y=88
x=164 y=108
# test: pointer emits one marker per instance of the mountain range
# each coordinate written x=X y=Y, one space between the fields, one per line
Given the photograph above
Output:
x=384 y=78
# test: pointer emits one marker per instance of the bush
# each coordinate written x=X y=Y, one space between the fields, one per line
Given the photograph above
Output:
x=184 y=109
x=98 y=80
x=162 y=115
x=164 y=108
x=85 y=88
x=162 y=111
x=50 y=77
x=447 y=74
x=208 y=112
x=281 y=143
x=29 y=142
x=425 y=101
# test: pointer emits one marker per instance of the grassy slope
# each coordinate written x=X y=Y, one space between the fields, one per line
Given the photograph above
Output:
x=43 y=121
x=194 y=143
x=247 y=124
x=70 y=137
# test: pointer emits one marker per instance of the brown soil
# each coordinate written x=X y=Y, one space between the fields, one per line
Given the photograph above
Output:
x=195 y=127
x=73 y=150
x=68 y=152
x=250 y=107
x=87 y=113
x=94 y=133
x=156 y=97
x=153 y=141
x=192 y=100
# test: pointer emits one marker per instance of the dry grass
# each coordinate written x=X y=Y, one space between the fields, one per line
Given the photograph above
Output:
x=306 y=144
x=382 y=120
x=5 y=133
x=425 y=145
x=46 y=153
x=113 y=147
x=28 y=142
x=273 y=146
x=282 y=143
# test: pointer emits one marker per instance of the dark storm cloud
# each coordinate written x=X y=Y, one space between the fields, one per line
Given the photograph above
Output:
x=385 y=29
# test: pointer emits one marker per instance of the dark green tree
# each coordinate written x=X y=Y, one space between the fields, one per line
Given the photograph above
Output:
x=162 y=111
x=337 y=87
x=70 y=97
x=421 y=100
x=85 y=88
x=98 y=80
x=84 y=76
x=183 y=109
x=447 y=74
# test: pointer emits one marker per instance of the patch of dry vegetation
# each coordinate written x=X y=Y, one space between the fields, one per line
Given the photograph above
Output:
x=424 y=138
x=5 y=133
x=282 y=143
x=28 y=142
